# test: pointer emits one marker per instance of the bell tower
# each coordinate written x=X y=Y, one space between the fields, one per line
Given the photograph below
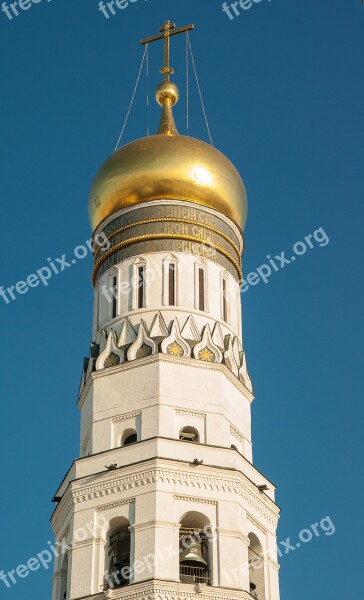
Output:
x=164 y=501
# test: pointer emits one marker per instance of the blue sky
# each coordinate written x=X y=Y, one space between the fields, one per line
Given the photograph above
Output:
x=283 y=87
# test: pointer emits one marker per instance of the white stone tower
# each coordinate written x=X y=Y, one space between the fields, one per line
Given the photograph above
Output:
x=164 y=501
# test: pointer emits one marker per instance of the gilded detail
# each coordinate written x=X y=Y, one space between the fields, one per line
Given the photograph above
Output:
x=175 y=349
x=144 y=351
x=206 y=355
x=112 y=360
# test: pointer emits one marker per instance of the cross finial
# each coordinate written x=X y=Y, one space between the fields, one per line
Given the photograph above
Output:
x=167 y=30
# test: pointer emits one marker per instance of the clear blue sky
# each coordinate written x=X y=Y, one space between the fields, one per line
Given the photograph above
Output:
x=283 y=86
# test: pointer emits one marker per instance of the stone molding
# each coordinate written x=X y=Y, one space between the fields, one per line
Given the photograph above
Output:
x=83 y=544
x=61 y=516
x=197 y=364
x=166 y=590
x=237 y=434
x=231 y=534
x=203 y=478
x=86 y=439
x=154 y=524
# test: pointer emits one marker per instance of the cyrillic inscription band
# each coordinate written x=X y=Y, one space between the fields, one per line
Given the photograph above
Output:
x=148 y=229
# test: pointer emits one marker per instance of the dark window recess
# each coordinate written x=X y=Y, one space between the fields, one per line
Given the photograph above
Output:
x=114 y=293
x=140 y=287
x=201 y=289
x=131 y=439
x=224 y=301
x=172 y=284
x=119 y=553
x=189 y=434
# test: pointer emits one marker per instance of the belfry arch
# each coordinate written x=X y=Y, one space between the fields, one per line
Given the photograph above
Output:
x=195 y=549
x=256 y=568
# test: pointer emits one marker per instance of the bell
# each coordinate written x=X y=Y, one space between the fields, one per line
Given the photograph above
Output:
x=192 y=556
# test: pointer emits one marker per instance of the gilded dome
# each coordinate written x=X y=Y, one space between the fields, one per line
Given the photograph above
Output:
x=167 y=166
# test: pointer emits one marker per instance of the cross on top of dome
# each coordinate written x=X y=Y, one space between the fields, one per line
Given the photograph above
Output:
x=167 y=30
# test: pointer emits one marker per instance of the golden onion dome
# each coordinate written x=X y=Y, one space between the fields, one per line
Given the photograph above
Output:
x=167 y=166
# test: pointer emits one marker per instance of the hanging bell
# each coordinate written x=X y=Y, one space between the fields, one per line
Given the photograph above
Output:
x=192 y=555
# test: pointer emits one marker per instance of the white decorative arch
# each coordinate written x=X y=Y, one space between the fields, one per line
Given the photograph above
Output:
x=190 y=331
x=244 y=375
x=174 y=344
x=143 y=345
x=127 y=334
x=217 y=336
x=229 y=357
x=112 y=355
x=207 y=350
x=158 y=330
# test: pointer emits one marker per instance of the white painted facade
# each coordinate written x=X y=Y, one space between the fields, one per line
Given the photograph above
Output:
x=161 y=482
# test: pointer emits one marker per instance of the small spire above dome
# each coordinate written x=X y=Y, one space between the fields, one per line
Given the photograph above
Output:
x=168 y=165
x=167 y=93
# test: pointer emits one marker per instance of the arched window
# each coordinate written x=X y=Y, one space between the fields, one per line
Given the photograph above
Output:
x=224 y=298
x=118 y=555
x=189 y=434
x=170 y=280
x=64 y=579
x=195 y=549
x=256 y=568
x=201 y=297
x=113 y=293
x=139 y=297
x=130 y=436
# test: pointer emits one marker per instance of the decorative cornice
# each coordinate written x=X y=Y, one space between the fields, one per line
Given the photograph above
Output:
x=115 y=504
x=202 y=478
x=256 y=523
x=125 y=416
x=195 y=499
x=199 y=364
x=190 y=413
x=155 y=590
x=237 y=434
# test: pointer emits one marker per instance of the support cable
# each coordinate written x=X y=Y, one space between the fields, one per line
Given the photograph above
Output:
x=199 y=89
x=132 y=99
x=147 y=66
x=187 y=86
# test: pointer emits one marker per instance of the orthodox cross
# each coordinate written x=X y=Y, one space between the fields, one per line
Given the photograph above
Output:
x=167 y=31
